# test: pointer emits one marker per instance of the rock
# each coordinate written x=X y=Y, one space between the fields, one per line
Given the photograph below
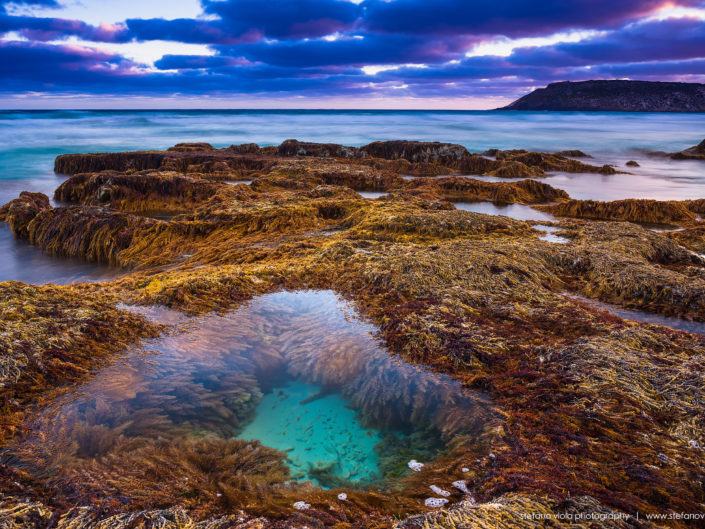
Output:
x=117 y=161
x=693 y=153
x=324 y=150
x=19 y=212
x=435 y=502
x=617 y=95
x=632 y=163
x=633 y=210
x=436 y=489
x=513 y=169
x=573 y=153
x=191 y=147
x=415 y=465
x=417 y=151
x=245 y=148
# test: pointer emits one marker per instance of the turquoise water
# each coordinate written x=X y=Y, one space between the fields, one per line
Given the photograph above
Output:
x=297 y=371
x=32 y=139
x=317 y=430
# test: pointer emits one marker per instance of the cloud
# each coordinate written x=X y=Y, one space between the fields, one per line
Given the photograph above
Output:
x=508 y=17
x=46 y=29
x=375 y=48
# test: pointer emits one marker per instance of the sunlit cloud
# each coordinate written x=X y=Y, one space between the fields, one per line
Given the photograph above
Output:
x=503 y=47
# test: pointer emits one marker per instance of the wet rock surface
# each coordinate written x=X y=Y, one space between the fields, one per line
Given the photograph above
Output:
x=596 y=413
x=696 y=152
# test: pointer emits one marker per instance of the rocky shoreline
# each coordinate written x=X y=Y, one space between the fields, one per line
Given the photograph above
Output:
x=591 y=413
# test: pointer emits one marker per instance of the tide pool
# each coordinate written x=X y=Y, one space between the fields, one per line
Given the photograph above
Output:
x=319 y=431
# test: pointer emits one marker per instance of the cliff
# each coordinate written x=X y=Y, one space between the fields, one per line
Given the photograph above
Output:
x=617 y=96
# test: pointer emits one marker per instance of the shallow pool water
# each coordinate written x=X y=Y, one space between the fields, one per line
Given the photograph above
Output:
x=372 y=194
x=317 y=429
x=549 y=234
x=677 y=324
x=297 y=371
x=515 y=211
x=23 y=262
x=235 y=182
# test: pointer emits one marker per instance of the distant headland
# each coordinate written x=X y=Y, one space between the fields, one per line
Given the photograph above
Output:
x=617 y=96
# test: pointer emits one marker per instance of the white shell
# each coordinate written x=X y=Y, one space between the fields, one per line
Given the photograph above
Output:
x=415 y=465
x=461 y=485
x=342 y=496
x=302 y=505
x=435 y=502
x=465 y=469
x=439 y=491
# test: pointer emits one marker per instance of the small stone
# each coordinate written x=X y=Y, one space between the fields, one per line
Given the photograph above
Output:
x=342 y=496
x=435 y=502
x=439 y=491
x=465 y=469
x=461 y=485
x=694 y=444
x=302 y=506
x=415 y=465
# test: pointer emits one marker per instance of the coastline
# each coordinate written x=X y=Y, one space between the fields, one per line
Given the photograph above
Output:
x=477 y=297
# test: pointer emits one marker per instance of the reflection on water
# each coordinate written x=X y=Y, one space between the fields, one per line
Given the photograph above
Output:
x=297 y=371
x=677 y=324
x=371 y=194
x=23 y=262
x=515 y=211
x=550 y=234
x=235 y=182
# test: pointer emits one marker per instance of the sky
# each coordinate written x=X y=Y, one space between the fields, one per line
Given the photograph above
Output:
x=411 y=54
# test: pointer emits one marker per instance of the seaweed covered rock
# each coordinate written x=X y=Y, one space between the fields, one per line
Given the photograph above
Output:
x=417 y=151
x=93 y=234
x=379 y=224
x=321 y=150
x=553 y=162
x=514 y=169
x=573 y=153
x=191 y=147
x=460 y=188
x=246 y=148
x=633 y=210
x=119 y=161
x=574 y=391
x=19 y=212
x=51 y=336
x=138 y=192
x=696 y=152
x=692 y=237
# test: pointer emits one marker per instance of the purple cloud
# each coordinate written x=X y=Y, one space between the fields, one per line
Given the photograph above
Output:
x=319 y=48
